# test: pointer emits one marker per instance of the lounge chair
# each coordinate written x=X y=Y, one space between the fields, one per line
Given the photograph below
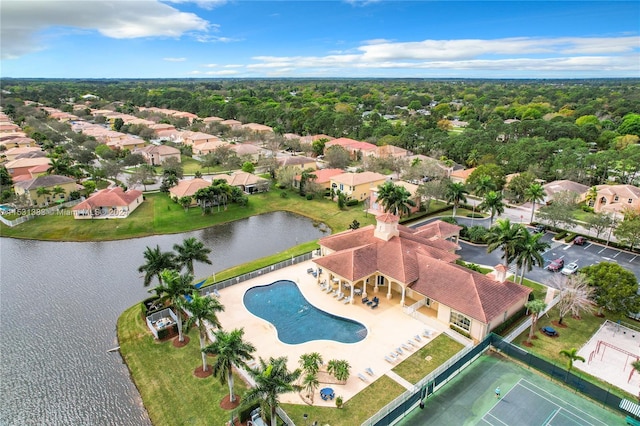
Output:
x=365 y=299
x=374 y=305
x=216 y=292
x=389 y=360
x=399 y=350
x=393 y=355
x=310 y=270
x=363 y=378
x=369 y=371
x=346 y=300
x=338 y=294
x=340 y=297
x=417 y=337
x=427 y=333
x=410 y=342
x=406 y=348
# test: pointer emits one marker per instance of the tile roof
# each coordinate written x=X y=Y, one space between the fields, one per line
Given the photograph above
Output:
x=622 y=191
x=188 y=187
x=44 y=181
x=564 y=185
x=109 y=197
x=160 y=150
x=296 y=160
x=354 y=179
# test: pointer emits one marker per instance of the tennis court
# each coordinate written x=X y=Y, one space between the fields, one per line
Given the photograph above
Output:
x=541 y=408
x=528 y=398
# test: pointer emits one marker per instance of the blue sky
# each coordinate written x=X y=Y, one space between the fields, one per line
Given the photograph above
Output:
x=331 y=38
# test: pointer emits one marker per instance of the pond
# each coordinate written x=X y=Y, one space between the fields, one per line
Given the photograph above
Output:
x=60 y=303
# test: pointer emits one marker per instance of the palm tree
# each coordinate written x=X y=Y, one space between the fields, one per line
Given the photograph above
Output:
x=173 y=288
x=305 y=177
x=492 y=202
x=572 y=355
x=503 y=235
x=271 y=380
x=57 y=190
x=576 y=295
x=230 y=350
x=339 y=369
x=534 y=193
x=43 y=192
x=310 y=362
x=535 y=307
x=201 y=309
x=310 y=383
x=395 y=198
x=191 y=250
x=156 y=261
x=528 y=251
x=455 y=194
x=59 y=166
x=484 y=184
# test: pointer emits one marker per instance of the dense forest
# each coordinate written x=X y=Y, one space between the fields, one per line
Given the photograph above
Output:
x=583 y=130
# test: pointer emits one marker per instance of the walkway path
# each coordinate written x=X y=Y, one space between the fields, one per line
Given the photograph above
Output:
x=399 y=379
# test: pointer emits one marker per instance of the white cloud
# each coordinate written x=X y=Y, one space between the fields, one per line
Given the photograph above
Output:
x=221 y=72
x=589 y=54
x=174 y=59
x=234 y=66
x=205 y=38
x=23 y=21
x=205 y=4
x=210 y=65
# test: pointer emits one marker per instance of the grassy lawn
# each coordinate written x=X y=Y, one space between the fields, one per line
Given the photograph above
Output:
x=575 y=335
x=159 y=215
x=190 y=165
x=164 y=376
x=416 y=366
x=353 y=412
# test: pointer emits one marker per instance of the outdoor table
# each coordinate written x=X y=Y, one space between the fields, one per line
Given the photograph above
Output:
x=326 y=393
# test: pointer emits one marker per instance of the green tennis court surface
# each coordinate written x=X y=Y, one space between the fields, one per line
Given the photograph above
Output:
x=528 y=399
x=540 y=406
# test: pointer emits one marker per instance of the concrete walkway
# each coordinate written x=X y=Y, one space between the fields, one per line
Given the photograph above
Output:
x=399 y=379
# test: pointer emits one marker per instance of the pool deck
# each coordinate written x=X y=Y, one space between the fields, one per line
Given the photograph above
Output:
x=387 y=328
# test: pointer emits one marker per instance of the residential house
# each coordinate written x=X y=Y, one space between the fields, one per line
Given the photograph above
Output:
x=209 y=120
x=109 y=203
x=387 y=151
x=248 y=182
x=322 y=179
x=158 y=154
x=558 y=186
x=247 y=151
x=297 y=161
x=188 y=188
x=28 y=189
x=357 y=186
x=461 y=176
x=376 y=208
x=21 y=166
x=13 y=140
x=615 y=199
x=13 y=153
x=357 y=150
x=234 y=124
x=390 y=261
x=257 y=128
x=197 y=138
x=208 y=147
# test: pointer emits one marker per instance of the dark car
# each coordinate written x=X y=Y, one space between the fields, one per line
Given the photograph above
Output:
x=539 y=229
x=556 y=265
x=580 y=241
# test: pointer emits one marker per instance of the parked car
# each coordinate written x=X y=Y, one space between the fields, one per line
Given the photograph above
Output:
x=570 y=269
x=556 y=265
x=580 y=241
x=539 y=229
x=256 y=420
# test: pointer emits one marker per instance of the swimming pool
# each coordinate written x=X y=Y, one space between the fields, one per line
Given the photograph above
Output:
x=295 y=319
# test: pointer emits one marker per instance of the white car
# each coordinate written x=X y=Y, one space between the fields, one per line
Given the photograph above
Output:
x=571 y=268
x=256 y=419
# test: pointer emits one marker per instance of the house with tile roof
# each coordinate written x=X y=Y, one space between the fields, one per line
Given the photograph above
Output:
x=461 y=176
x=158 y=154
x=187 y=188
x=298 y=161
x=257 y=128
x=248 y=182
x=357 y=186
x=557 y=186
x=322 y=179
x=417 y=267
x=15 y=153
x=196 y=138
x=28 y=190
x=207 y=147
x=21 y=166
x=234 y=124
x=615 y=199
x=248 y=151
x=109 y=203
x=357 y=149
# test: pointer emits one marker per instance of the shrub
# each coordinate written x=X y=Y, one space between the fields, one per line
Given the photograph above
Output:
x=460 y=330
x=309 y=197
x=570 y=236
x=449 y=219
x=586 y=208
x=477 y=234
x=284 y=194
x=511 y=320
x=560 y=235
x=352 y=203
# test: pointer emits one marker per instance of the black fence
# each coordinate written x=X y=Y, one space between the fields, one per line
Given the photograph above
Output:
x=560 y=374
x=410 y=400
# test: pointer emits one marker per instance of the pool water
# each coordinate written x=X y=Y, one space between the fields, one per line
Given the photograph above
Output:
x=295 y=319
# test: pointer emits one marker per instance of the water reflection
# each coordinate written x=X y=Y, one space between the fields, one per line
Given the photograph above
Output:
x=59 y=305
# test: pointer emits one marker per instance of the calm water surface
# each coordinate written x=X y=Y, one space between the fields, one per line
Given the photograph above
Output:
x=59 y=303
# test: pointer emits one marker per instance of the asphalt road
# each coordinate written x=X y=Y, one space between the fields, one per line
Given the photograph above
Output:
x=588 y=254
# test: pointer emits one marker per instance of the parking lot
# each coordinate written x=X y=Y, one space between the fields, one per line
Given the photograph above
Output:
x=585 y=255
